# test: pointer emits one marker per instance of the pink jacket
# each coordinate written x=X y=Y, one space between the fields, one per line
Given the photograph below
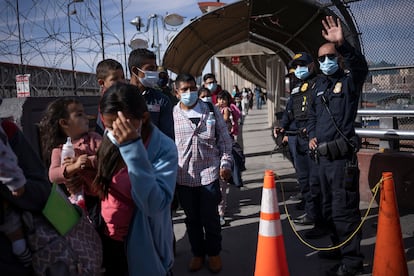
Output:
x=118 y=208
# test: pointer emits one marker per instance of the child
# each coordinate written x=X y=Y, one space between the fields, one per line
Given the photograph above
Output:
x=223 y=103
x=108 y=72
x=137 y=167
x=11 y=225
x=205 y=94
x=65 y=117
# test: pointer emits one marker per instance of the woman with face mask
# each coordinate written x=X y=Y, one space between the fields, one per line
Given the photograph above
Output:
x=137 y=168
x=294 y=120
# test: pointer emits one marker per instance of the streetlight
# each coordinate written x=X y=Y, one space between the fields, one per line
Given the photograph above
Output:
x=173 y=19
x=70 y=43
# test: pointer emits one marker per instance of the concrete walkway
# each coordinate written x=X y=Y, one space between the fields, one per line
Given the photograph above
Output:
x=241 y=231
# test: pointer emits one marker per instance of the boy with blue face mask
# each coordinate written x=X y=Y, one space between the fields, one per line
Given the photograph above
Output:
x=204 y=155
x=144 y=74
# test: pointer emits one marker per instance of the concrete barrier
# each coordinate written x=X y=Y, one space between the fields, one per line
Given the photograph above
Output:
x=27 y=112
x=373 y=163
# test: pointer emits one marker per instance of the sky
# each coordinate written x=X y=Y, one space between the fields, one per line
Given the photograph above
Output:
x=386 y=27
x=45 y=33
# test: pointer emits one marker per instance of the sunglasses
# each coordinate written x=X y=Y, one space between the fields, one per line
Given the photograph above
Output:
x=329 y=56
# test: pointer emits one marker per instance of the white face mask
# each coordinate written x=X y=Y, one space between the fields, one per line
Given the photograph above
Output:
x=207 y=100
x=111 y=137
x=150 y=80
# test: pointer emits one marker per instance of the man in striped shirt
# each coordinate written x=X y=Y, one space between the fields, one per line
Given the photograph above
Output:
x=204 y=154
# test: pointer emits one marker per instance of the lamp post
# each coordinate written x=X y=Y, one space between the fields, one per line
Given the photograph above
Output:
x=173 y=19
x=70 y=44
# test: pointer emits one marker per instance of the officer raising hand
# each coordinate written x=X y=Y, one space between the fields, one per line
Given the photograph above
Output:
x=333 y=30
x=332 y=135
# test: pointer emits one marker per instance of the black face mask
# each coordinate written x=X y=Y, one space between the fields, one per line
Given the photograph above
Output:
x=162 y=82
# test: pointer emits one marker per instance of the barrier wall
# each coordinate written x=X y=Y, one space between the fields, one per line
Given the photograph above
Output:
x=373 y=163
x=27 y=112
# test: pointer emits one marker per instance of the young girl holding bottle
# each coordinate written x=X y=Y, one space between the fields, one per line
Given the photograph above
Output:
x=65 y=121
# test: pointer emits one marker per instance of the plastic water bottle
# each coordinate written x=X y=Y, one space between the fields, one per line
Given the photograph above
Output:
x=211 y=124
x=67 y=150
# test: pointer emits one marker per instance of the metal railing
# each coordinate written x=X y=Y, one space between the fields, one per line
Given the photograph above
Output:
x=388 y=132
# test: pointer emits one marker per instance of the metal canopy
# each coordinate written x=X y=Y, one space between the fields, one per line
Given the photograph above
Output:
x=282 y=26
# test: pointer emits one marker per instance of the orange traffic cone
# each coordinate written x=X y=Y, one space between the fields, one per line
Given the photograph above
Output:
x=389 y=257
x=271 y=255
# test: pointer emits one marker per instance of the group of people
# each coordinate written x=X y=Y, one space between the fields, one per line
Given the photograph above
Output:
x=318 y=125
x=152 y=145
x=146 y=150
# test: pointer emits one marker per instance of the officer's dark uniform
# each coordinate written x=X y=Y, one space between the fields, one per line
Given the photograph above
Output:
x=294 y=122
x=336 y=102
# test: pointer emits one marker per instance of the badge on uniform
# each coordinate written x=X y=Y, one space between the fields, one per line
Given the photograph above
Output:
x=304 y=87
x=154 y=107
x=338 y=87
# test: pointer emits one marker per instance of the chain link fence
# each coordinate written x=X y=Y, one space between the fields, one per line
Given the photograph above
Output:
x=385 y=30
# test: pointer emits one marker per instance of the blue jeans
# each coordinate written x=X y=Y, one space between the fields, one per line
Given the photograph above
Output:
x=202 y=219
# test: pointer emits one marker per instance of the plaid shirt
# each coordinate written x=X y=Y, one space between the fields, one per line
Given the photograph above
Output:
x=201 y=152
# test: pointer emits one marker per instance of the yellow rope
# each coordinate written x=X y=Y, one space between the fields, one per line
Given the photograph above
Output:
x=374 y=191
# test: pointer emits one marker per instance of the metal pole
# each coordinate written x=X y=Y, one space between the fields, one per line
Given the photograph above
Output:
x=123 y=37
x=71 y=51
x=20 y=36
x=157 y=35
x=101 y=29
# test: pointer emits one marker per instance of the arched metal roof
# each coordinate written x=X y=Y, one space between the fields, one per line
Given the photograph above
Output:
x=283 y=26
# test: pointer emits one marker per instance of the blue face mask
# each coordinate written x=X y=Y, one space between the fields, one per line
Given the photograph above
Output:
x=329 y=66
x=212 y=86
x=302 y=72
x=111 y=137
x=150 y=79
x=189 y=98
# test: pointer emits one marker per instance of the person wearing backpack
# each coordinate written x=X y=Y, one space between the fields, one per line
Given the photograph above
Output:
x=204 y=155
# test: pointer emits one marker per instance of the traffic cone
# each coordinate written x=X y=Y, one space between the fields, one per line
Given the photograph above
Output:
x=271 y=254
x=389 y=256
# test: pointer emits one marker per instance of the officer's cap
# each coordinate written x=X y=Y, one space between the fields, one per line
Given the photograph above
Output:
x=301 y=58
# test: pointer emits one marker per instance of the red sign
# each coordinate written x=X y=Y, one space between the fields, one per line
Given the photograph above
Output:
x=235 y=60
x=22 y=85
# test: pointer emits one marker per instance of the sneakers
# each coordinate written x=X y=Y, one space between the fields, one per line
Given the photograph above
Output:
x=214 y=264
x=344 y=270
x=196 y=264
x=303 y=220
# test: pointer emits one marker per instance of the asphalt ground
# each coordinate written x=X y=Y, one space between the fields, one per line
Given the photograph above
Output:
x=240 y=233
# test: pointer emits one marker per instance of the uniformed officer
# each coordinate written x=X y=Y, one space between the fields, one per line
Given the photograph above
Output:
x=332 y=135
x=293 y=123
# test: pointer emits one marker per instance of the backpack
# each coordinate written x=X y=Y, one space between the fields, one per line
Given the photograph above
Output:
x=237 y=151
x=78 y=252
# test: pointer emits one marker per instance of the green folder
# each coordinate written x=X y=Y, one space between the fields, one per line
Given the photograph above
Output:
x=60 y=212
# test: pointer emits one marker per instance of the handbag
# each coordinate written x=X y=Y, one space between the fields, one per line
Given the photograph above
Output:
x=76 y=252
